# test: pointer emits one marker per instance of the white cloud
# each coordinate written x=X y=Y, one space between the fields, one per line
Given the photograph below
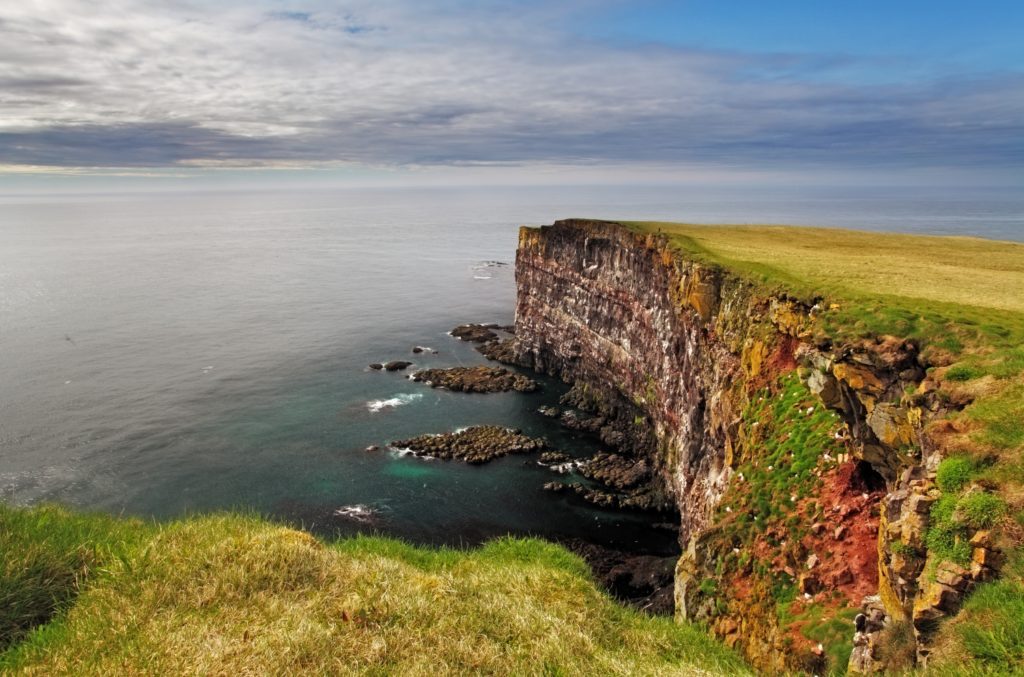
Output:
x=141 y=83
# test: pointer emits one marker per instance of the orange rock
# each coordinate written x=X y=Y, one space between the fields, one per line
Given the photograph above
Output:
x=858 y=377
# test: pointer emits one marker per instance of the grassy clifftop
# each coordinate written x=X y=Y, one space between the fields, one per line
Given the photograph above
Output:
x=227 y=594
x=961 y=297
x=962 y=300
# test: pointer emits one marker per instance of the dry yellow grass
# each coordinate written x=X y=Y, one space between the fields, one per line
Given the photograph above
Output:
x=962 y=270
x=237 y=596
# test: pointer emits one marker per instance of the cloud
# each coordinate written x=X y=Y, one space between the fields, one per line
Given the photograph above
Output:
x=139 y=83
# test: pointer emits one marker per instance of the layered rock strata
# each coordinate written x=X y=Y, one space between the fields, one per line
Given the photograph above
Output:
x=675 y=361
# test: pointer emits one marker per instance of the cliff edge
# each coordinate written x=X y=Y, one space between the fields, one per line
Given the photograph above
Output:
x=838 y=452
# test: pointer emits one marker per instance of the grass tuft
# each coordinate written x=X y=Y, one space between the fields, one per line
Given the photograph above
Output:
x=229 y=594
x=954 y=473
x=47 y=555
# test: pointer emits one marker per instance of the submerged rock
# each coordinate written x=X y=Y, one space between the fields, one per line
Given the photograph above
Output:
x=475 y=445
x=480 y=379
x=475 y=333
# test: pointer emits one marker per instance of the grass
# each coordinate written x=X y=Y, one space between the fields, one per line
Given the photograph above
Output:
x=788 y=434
x=987 y=637
x=954 y=473
x=788 y=438
x=953 y=293
x=46 y=557
x=949 y=271
x=229 y=594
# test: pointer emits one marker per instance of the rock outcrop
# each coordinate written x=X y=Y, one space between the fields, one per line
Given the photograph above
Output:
x=479 y=379
x=475 y=445
x=778 y=447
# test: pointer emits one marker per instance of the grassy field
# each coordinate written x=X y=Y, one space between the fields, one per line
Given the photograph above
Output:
x=961 y=271
x=236 y=595
x=963 y=300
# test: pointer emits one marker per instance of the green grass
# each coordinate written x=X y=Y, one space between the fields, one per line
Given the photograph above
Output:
x=229 y=594
x=954 y=473
x=46 y=557
x=987 y=637
x=980 y=510
x=996 y=636
x=787 y=433
x=947 y=537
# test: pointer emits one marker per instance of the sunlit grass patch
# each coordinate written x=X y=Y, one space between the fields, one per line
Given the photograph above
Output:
x=230 y=594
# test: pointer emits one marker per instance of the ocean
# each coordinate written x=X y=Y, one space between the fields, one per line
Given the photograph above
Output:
x=167 y=354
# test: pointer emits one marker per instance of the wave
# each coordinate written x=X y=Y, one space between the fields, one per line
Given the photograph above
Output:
x=357 y=512
x=397 y=401
x=402 y=452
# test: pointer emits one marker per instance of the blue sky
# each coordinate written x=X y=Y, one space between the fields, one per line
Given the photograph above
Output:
x=905 y=36
x=141 y=91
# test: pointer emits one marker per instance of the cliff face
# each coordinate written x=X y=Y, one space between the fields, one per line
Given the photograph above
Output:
x=781 y=451
x=601 y=307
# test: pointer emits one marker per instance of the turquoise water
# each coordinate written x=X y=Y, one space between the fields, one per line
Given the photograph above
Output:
x=164 y=354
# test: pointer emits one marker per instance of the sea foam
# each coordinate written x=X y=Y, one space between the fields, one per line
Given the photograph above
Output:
x=359 y=513
x=398 y=400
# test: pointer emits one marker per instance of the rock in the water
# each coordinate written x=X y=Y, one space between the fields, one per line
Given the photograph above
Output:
x=624 y=483
x=505 y=351
x=372 y=447
x=574 y=421
x=476 y=333
x=554 y=457
x=478 y=444
x=416 y=350
x=396 y=365
x=481 y=379
x=636 y=499
x=550 y=412
x=377 y=365
x=615 y=471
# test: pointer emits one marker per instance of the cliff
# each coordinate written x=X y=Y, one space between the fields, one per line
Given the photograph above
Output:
x=798 y=442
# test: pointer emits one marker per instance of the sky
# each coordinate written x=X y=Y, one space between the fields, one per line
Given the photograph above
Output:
x=141 y=92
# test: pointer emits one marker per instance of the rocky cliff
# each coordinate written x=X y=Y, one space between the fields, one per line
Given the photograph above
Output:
x=800 y=468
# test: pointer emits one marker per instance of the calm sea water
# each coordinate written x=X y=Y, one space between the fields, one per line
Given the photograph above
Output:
x=164 y=354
